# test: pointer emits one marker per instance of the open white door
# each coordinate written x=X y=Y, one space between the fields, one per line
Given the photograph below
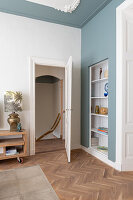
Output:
x=127 y=88
x=124 y=80
x=68 y=107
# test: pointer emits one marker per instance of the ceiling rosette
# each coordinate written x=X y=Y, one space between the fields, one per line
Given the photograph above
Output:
x=67 y=6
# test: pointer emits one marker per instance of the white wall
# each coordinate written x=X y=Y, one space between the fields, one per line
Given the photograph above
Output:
x=44 y=108
x=41 y=70
x=21 y=38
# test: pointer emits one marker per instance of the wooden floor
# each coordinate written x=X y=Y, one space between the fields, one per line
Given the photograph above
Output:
x=85 y=178
x=50 y=145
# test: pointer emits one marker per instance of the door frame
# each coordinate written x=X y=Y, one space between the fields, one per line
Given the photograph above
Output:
x=61 y=100
x=33 y=62
x=120 y=139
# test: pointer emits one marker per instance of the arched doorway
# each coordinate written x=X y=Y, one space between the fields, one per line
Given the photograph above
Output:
x=49 y=103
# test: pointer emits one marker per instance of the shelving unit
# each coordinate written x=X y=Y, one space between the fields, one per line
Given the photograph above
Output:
x=13 y=139
x=97 y=98
x=99 y=115
x=99 y=80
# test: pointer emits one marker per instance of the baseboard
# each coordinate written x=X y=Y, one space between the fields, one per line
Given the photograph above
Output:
x=102 y=157
x=75 y=146
x=128 y=166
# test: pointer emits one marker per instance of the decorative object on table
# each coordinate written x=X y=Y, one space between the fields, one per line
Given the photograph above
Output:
x=13 y=103
x=19 y=128
x=13 y=121
x=106 y=73
x=106 y=90
x=103 y=111
x=101 y=70
x=97 y=109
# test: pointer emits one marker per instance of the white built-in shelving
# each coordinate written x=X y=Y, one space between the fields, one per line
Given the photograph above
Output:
x=97 y=98
x=99 y=115
x=99 y=80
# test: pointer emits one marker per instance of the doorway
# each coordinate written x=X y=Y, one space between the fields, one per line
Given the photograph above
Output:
x=49 y=107
x=49 y=63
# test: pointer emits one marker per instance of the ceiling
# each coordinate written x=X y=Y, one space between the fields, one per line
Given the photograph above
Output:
x=63 y=5
x=85 y=11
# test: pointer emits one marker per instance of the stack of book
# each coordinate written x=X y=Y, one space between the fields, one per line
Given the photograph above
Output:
x=102 y=148
x=11 y=151
x=94 y=141
x=1 y=150
x=103 y=130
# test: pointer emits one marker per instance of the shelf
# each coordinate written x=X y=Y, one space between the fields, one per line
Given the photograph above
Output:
x=99 y=115
x=1 y=155
x=98 y=132
x=101 y=152
x=99 y=97
x=8 y=133
x=99 y=80
x=21 y=154
x=11 y=142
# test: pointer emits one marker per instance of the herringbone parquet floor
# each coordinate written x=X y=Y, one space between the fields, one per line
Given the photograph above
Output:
x=85 y=178
x=50 y=145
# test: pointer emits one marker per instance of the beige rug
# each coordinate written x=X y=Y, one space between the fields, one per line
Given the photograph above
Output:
x=25 y=184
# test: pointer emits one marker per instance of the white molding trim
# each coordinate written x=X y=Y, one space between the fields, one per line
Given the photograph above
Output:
x=118 y=85
x=37 y=61
x=103 y=158
x=59 y=5
x=126 y=4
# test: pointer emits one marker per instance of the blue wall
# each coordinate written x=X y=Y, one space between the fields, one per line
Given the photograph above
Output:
x=99 y=43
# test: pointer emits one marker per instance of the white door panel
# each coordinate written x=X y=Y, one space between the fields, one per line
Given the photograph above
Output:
x=127 y=91
x=68 y=105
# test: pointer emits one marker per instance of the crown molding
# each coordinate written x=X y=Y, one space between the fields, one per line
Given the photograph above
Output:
x=67 y=8
x=95 y=12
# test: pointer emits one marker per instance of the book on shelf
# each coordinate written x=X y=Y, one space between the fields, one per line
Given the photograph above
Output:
x=103 y=130
x=102 y=148
x=94 y=141
x=11 y=151
x=1 y=150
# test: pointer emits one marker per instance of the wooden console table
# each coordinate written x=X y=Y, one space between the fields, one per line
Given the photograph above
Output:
x=6 y=142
